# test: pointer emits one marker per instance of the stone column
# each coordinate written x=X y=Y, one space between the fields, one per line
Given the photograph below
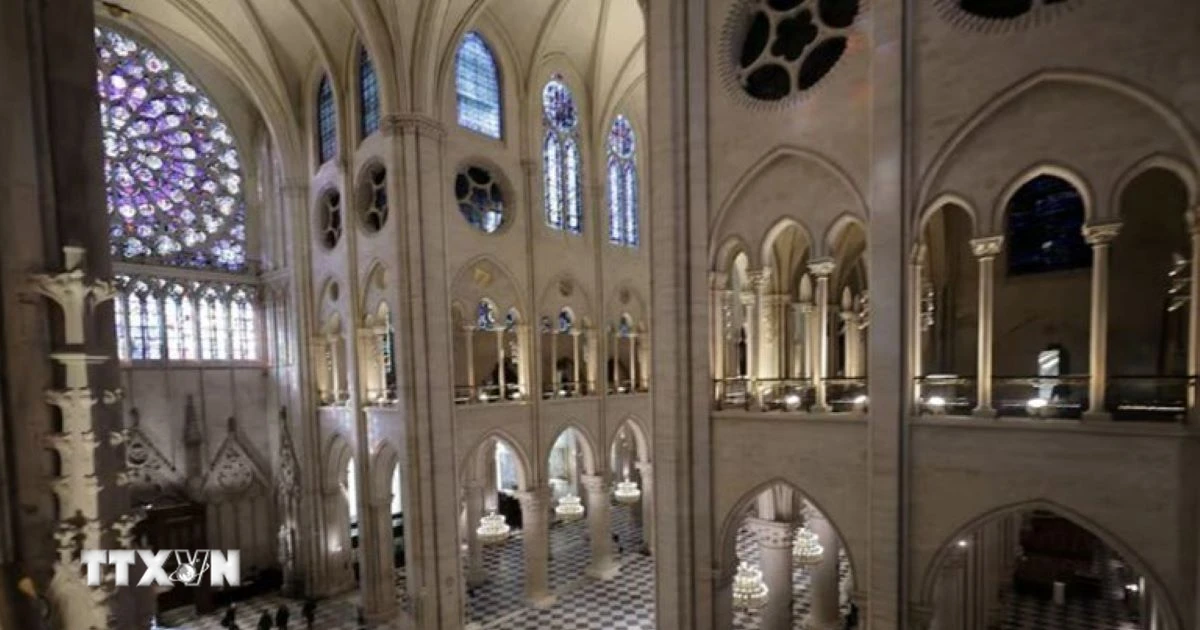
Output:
x=916 y=342
x=616 y=359
x=824 y=612
x=775 y=559
x=333 y=342
x=575 y=360
x=535 y=511
x=633 y=363
x=646 y=471
x=469 y=333
x=821 y=269
x=1099 y=237
x=718 y=313
x=555 y=381
x=501 y=378
x=985 y=251
x=949 y=603
x=1193 y=358
x=603 y=565
x=853 y=343
x=807 y=323
x=525 y=362
x=754 y=346
x=473 y=497
x=722 y=590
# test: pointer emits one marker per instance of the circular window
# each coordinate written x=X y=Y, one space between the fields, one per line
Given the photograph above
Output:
x=480 y=199
x=783 y=48
x=988 y=15
x=331 y=219
x=373 y=200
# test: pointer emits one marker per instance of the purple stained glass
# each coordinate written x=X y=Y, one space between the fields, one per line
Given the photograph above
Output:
x=622 y=184
x=169 y=158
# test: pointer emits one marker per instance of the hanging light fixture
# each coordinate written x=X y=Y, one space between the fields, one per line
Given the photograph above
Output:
x=806 y=549
x=569 y=508
x=749 y=590
x=627 y=492
x=492 y=529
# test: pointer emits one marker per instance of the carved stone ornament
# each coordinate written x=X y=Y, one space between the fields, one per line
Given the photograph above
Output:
x=234 y=471
x=482 y=277
x=146 y=467
x=566 y=287
x=1102 y=234
x=987 y=247
x=822 y=267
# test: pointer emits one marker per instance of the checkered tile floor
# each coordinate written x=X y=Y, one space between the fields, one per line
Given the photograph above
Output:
x=748 y=550
x=1110 y=612
x=625 y=602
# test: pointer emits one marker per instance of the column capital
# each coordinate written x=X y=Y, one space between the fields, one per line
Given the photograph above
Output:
x=533 y=501
x=771 y=533
x=821 y=267
x=418 y=124
x=594 y=483
x=645 y=468
x=987 y=246
x=759 y=278
x=1101 y=234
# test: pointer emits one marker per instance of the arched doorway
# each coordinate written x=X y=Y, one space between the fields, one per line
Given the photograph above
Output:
x=1036 y=565
x=779 y=539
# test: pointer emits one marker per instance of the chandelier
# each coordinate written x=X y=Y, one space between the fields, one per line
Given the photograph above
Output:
x=492 y=529
x=627 y=492
x=569 y=508
x=749 y=591
x=1179 y=283
x=806 y=549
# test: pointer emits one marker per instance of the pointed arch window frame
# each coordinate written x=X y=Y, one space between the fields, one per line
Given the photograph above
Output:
x=478 y=87
x=326 y=119
x=623 y=185
x=562 y=160
x=368 y=94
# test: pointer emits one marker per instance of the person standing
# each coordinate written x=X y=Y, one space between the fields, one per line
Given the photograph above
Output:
x=264 y=621
x=309 y=611
x=229 y=621
x=281 y=617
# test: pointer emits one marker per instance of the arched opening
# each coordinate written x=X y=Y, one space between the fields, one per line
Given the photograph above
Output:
x=789 y=564
x=782 y=365
x=1041 y=302
x=948 y=311
x=350 y=494
x=632 y=518
x=733 y=334
x=849 y=299
x=1035 y=565
x=1150 y=268
x=492 y=530
x=627 y=372
x=570 y=471
x=566 y=341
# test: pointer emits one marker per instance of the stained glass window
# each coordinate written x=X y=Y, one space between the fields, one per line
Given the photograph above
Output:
x=487 y=315
x=565 y=321
x=1045 y=227
x=326 y=121
x=368 y=94
x=622 y=184
x=180 y=323
x=480 y=198
x=561 y=159
x=477 y=82
x=241 y=319
x=122 y=328
x=214 y=326
x=171 y=167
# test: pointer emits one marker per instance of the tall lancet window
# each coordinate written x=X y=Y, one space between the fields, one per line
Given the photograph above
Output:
x=368 y=94
x=477 y=84
x=326 y=121
x=622 y=184
x=561 y=163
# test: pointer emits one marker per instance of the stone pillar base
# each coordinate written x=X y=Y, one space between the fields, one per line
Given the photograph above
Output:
x=1097 y=416
x=477 y=578
x=605 y=571
x=542 y=601
x=820 y=409
x=984 y=412
x=380 y=615
x=811 y=624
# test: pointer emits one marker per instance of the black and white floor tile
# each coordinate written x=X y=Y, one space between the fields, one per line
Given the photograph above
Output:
x=748 y=551
x=625 y=602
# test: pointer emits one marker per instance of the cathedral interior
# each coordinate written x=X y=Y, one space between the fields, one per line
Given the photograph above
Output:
x=602 y=314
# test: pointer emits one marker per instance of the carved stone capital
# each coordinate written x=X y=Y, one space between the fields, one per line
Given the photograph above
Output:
x=416 y=124
x=987 y=247
x=759 y=278
x=1101 y=234
x=718 y=280
x=822 y=267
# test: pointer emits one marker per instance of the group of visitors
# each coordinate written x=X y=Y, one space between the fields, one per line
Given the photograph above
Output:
x=280 y=621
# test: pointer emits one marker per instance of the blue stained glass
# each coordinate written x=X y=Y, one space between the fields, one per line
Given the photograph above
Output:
x=487 y=315
x=565 y=321
x=622 y=184
x=561 y=162
x=1045 y=228
x=171 y=167
x=368 y=94
x=326 y=121
x=477 y=82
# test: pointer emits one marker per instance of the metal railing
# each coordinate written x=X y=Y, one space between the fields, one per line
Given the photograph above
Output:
x=846 y=393
x=788 y=394
x=627 y=387
x=1148 y=398
x=1063 y=396
x=485 y=394
x=569 y=390
x=946 y=394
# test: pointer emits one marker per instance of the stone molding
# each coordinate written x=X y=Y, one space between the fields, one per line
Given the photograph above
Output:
x=987 y=246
